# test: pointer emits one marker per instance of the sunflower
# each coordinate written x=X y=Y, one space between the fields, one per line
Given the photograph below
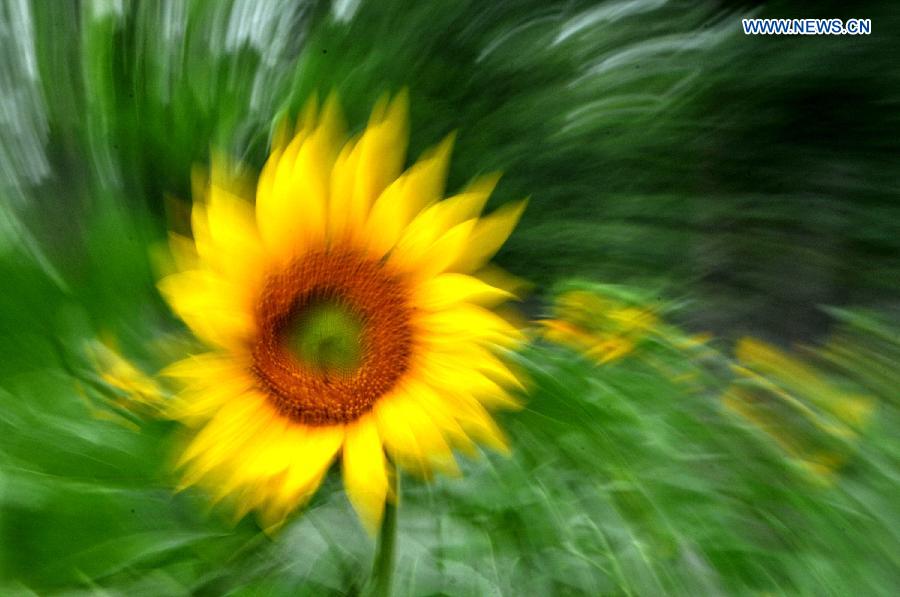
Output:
x=347 y=313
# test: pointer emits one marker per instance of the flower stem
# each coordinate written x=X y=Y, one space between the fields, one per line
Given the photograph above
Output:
x=383 y=568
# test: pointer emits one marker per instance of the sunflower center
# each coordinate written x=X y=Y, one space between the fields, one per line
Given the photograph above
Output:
x=335 y=335
x=327 y=337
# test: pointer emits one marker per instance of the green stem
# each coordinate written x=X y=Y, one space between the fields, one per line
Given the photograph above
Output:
x=383 y=567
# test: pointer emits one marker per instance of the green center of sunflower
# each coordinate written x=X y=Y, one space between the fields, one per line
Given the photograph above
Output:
x=326 y=336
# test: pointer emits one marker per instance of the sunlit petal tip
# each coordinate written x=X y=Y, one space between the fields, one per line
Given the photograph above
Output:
x=449 y=468
x=398 y=111
x=500 y=445
x=485 y=183
x=183 y=253
x=280 y=132
x=307 y=119
x=444 y=149
x=521 y=382
x=507 y=401
x=365 y=471
x=445 y=465
x=182 y=485
x=490 y=234
x=469 y=449
x=448 y=289
x=481 y=426
x=225 y=173
x=332 y=119
x=271 y=519
x=440 y=154
x=379 y=109
x=393 y=110
x=201 y=365
x=239 y=511
x=428 y=176
x=369 y=507
x=199 y=183
x=517 y=287
x=190 y=476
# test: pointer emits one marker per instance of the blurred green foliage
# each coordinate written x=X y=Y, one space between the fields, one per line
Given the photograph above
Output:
x=737 y=184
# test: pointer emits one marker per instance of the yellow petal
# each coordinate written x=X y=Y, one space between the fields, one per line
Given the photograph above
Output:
x=499 y=278
x=184 y=253
x=412 y=438
x=438 y=219
x=467 y=322
x=479 y=424
x=382 y=149
x=280 y=133
x=211 y=380
x=292 y=195
x=453 y=377
x=449 y=289
x=488 y=236
x=215 y=309
x=345 y=213
x=309 y=117
x=260 y=463
x=270 y=454
x=211 y=366
x=198 y=404
x=482 y=359
x=366 y=167
x=365 y=471
x=469 y=203
x=423 y=258
x=311 y=451
x=395 y=208
x=442 y=412
x=225 y=235
x=222 y=440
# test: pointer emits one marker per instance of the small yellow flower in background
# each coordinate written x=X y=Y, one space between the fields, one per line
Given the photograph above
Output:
x=345 y=314
x=799 y=407
x=123 y=375
x=129 y=393
x=603 y=328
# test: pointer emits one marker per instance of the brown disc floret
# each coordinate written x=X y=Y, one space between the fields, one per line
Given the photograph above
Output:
x=377 y=297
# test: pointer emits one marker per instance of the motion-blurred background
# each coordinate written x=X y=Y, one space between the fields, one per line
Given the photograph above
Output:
x=712 y=252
